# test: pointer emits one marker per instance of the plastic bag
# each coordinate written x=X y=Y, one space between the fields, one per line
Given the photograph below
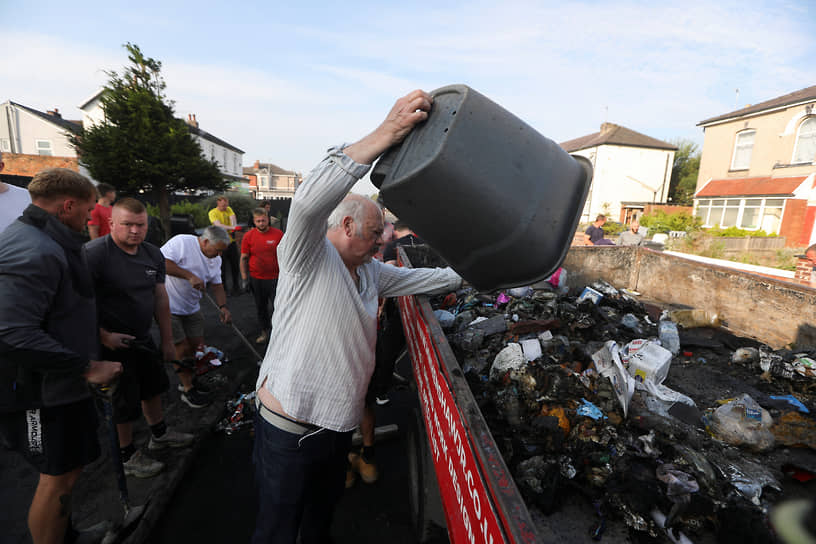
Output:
x=743 y=422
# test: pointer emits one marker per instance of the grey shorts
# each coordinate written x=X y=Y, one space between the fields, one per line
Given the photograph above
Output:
x=187 y=326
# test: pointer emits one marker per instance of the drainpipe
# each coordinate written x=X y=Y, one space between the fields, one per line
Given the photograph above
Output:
x=10 y=133
x=665 y=171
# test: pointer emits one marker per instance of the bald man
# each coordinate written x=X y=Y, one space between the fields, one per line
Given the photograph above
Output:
x=320 y=358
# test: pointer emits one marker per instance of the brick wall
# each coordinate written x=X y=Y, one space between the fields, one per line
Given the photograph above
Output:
x=773 y=311
x=793 y=222
x=804 y=271
x=19 y=164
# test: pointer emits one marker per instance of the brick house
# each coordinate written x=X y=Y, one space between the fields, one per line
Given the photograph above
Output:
x=631 y=171
x=271 y=181
x=757 y=168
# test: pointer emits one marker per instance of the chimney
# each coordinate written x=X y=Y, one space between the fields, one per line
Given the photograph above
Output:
x=606 y=128
x=191 y=120
x=54 y=113
x=257 y=165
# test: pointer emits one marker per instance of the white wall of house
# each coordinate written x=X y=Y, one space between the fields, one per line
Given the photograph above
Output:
x=229 y=161
x=625 y=174
x=92 y=113
x=24 y=132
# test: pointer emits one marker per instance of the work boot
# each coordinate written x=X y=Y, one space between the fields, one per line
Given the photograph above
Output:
x=366 y=468
x=141 y=466
x=170 y=439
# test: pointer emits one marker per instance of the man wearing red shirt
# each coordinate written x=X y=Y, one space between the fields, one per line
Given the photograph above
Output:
x=99 y=225
x=259 y=266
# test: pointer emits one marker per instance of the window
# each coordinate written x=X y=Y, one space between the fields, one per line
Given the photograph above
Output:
x=742 y=150
x=750 y=213
x=44 y=147
x=772 y=215
x=747 y=213
x=264 y=182
x=731 y=213
x=703 y=207
x=5 y=145
x=805 y=150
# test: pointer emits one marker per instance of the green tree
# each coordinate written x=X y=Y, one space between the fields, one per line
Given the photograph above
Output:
x=684 y=172
x=141 y=146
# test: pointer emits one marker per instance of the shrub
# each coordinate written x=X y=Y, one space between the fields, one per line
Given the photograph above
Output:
x=185 y=207
x=660 y=221
x=736 y=232
x=242 y=205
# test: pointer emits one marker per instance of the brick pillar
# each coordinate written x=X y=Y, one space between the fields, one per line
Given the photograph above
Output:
x=804 y=271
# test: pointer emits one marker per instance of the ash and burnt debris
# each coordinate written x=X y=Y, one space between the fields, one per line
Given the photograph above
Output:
x=727 y=435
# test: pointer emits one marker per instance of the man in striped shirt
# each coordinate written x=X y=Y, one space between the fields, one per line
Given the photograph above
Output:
x=314 y=377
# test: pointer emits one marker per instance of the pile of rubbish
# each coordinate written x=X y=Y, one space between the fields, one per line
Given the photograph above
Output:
x=240 y=412
x=660 y=419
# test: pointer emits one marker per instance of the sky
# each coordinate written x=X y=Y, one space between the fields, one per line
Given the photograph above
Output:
x=284 y=81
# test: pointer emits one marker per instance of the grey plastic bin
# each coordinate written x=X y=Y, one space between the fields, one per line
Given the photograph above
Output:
x=496 y=199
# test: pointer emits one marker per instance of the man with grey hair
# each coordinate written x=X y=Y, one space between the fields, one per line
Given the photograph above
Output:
x=192 y=263
x=320 y=358
x=13 y=200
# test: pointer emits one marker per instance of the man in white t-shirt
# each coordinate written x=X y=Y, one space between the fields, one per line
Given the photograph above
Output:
x=192 y=263
x=13 y=200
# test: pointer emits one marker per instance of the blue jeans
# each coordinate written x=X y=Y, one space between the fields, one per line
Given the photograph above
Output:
x=300 y=479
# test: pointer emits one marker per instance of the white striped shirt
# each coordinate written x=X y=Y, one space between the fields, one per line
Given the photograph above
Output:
x=321 y=352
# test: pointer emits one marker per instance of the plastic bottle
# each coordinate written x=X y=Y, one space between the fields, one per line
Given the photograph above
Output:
x=695 y=318
x=669 y=338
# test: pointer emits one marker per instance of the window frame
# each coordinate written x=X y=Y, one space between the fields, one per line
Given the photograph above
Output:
x=737 y=147
x=725 y=203
x=809 y=119
x=39 y=149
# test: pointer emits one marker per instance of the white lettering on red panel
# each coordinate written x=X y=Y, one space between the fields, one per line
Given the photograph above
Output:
x=469 y=516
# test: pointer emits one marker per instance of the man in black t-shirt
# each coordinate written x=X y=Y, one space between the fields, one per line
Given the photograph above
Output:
x=128 y=275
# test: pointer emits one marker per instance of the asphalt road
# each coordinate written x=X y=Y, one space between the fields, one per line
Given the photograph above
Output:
x=206 y=493
x=216 y=500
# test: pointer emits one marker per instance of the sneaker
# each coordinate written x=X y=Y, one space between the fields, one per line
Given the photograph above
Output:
x=170 y=439
x=367 y=471
x=141 y=466
x=264 y=336
x=201 y=388
x=195 y=398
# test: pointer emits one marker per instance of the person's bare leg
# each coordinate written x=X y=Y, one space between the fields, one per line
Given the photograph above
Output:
x=50 y=508
x=125 y=432
x=184 y=350
x=367 y=426
x=152 y=410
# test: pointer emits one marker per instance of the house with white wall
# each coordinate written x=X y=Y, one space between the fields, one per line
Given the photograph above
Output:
x=32 y=132
x=228 y=157
x=32 y=140
x=631 y=171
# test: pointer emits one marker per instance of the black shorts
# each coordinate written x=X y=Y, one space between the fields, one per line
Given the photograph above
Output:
x=390 y=343
x=54 y=440
x=143 y=377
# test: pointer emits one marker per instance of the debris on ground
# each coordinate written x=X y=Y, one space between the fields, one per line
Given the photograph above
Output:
x=667 y=423
x=240 y=412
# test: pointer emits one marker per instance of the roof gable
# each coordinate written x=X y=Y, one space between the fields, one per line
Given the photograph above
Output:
x=612 y=134
x=72 y=126
x=802 y=95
